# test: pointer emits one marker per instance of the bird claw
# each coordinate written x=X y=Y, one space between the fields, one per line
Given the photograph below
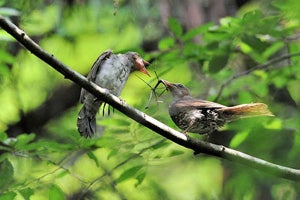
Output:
x=122 y=101
x=185 y=133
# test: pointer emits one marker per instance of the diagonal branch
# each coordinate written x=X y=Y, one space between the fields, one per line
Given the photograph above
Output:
x=140 y=117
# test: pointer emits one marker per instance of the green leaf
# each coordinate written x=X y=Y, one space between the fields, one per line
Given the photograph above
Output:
x=6 y=173
x=129 y=173
x=175 y=27
x=3 y=136
x=26 y=193
x=112 y=153
x=4 y=71
x=255 y=43
x=166 y=43
x=92 y=156
x=140 y=178
x=274 y=124
x=8 y=196
x=196 y=31
x=6 y=57
x=217 y=63
x=273 y=49
x=161 y=144
x=253 y=16
x=55 y=193
x=293 y=88
x=239 y=138
x=175 y=153
x=24 y=139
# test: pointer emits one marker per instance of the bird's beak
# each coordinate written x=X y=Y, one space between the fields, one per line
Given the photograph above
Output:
x=141 y=65
x=167 y=84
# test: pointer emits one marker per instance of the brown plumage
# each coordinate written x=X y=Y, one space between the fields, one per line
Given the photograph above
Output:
x=201 y=116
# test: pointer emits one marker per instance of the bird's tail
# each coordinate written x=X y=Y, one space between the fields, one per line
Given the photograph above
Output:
x=247 y=110
x=86 y=122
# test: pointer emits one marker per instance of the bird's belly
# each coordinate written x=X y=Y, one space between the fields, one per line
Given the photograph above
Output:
x=113 y=78
x=198 y=121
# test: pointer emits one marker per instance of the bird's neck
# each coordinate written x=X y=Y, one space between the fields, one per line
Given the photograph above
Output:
x=176 y=98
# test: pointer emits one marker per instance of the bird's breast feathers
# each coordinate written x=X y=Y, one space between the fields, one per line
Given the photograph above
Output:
x=114 y=74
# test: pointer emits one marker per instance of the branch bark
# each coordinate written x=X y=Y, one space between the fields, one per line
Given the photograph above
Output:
x=140 y=117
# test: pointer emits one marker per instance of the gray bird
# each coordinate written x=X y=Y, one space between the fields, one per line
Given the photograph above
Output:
x=109 y=71
x=201 y=116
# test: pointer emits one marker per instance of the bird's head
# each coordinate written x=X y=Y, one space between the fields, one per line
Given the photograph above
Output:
x=177 y=89
x=139 y=63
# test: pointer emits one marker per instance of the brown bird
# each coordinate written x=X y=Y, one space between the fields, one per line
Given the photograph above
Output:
x=110 y=71
x=203 y=117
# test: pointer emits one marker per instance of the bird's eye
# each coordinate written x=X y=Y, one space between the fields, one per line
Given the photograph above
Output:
x=180 y=85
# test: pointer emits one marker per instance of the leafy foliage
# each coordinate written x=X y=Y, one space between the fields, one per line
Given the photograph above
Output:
x=225 y=61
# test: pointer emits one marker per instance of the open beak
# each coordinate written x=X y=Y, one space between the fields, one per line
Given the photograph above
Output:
x=142 y=64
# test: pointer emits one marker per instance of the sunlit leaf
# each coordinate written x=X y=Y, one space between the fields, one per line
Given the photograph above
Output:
x=24 y=139
x=239 y=138
x=55 y=193
x=196 y=31
x=274 y=124
x=129 y=173
x=109 y=142
x=293 y=87
x=274 y=48
x=166 y=43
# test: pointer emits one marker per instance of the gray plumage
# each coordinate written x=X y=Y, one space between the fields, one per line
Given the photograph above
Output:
x=110 y=71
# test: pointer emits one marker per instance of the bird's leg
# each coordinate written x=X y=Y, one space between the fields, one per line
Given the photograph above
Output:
x=206 y=137
x=103 y=109
x=189 y=127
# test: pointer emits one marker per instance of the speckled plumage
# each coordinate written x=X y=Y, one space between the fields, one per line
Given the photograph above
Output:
x=201 y=116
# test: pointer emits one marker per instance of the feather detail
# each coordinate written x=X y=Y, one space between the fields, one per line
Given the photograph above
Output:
x=246 y=110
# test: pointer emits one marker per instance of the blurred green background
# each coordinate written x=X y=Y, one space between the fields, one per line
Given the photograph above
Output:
x=199 y=43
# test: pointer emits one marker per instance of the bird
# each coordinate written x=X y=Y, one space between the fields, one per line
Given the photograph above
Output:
x=204 y=117
x=109 y=71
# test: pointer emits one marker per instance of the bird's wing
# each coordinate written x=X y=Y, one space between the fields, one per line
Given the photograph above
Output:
x=198 y=104
x=95 y=68
x=98 y=64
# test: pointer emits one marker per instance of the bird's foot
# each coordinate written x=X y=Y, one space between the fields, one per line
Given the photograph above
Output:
x=122 y=101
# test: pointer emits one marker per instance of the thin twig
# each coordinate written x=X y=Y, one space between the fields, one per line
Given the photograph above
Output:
x=149 y=122
x=247 y=72
x=153 y=90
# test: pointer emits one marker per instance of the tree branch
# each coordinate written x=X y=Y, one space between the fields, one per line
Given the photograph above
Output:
x=140 y=117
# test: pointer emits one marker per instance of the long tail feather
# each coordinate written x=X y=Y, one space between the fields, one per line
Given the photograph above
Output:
x=247 y=110
x=86 y=124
